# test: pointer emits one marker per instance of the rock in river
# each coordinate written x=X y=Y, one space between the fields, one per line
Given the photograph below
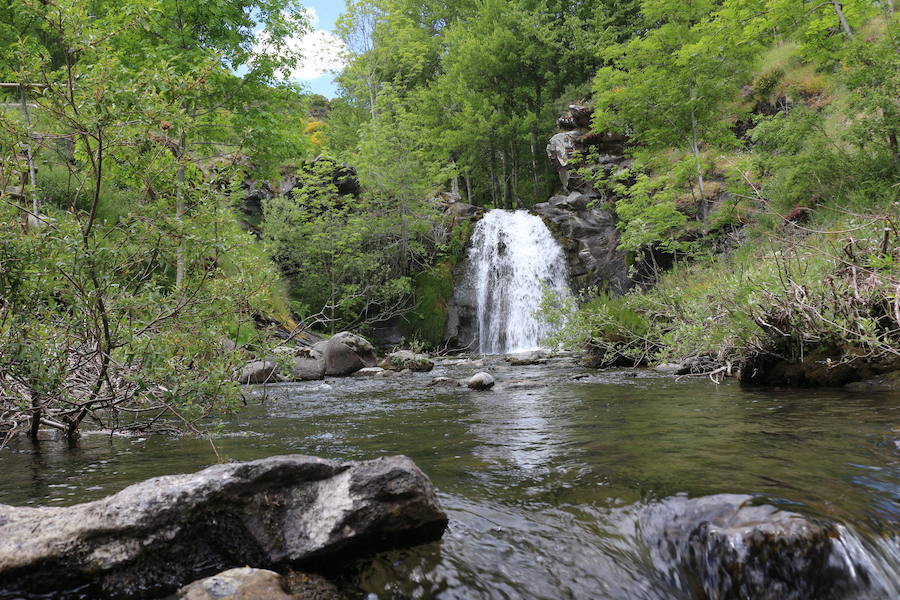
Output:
x=259 y=371
x=238 y=584
x=481 y=381
x=346 y=353
x=534 y=357
x=309 y=365
x=729 y=546
x=153 y=537
x=404 y=359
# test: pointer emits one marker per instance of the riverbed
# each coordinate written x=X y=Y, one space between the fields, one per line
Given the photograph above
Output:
x=543 y=476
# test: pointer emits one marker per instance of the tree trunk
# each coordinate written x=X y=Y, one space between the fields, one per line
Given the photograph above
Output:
x=534 y=169
x=504 y=163
x=840 y=14
x=29 y=149
x=179 y=213
x=468 y=188
x=36 y=413
x=454 y=182
x=515 y=202
x=492 y=165
x=695 y=149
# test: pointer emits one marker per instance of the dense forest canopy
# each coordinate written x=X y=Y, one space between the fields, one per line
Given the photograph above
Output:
x=134 y=278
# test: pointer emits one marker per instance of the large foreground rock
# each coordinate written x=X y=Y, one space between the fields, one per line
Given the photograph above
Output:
x=731 y=547
x=155 y=536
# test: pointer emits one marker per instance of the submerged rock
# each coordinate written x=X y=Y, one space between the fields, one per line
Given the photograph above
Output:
x=259 y=371
x=238 y=584
x=443 y=382
x=309 y=586
x=404 y=359
x=889 y=382
x=729 y=547
x=481 y=381
x=155 y=536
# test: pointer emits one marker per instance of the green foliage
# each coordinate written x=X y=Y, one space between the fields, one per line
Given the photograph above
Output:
x=427 y=321
x=349 y=259
x=117 y=298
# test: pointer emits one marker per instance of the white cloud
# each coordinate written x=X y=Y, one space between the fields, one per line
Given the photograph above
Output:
x=322 y=51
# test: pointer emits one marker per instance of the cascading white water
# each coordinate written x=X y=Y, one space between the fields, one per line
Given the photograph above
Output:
x=511 y=257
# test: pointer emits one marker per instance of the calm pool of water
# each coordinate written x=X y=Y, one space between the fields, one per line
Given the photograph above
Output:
x=541 y=475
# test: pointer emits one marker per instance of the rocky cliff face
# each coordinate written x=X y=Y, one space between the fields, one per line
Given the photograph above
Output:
x=590 y=239
x=587 y=233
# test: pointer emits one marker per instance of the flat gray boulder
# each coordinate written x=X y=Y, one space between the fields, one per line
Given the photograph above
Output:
x=360 y=346
x=154 y=537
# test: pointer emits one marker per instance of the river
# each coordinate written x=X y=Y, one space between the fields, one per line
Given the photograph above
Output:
x=542 y=476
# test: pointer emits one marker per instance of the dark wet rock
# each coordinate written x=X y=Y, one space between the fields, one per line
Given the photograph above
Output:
x=346 y=353
x=461 y=331
x=259 y=371
x=889 y=382
x=404 y=359
x=309 y=365
x=590 y=239
x=577 y=139
x=153 y=537
x=817 y=368
x=731 y=547
x=481 y=381
x=238 y=584
x=443 y=382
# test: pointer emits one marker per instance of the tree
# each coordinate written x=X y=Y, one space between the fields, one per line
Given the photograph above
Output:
x=94 y=325
x=667 y=87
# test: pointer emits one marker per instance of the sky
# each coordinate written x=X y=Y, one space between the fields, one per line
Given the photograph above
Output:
x=320 y=47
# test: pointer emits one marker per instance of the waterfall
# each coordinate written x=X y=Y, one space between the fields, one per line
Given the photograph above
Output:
x=511 y=256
